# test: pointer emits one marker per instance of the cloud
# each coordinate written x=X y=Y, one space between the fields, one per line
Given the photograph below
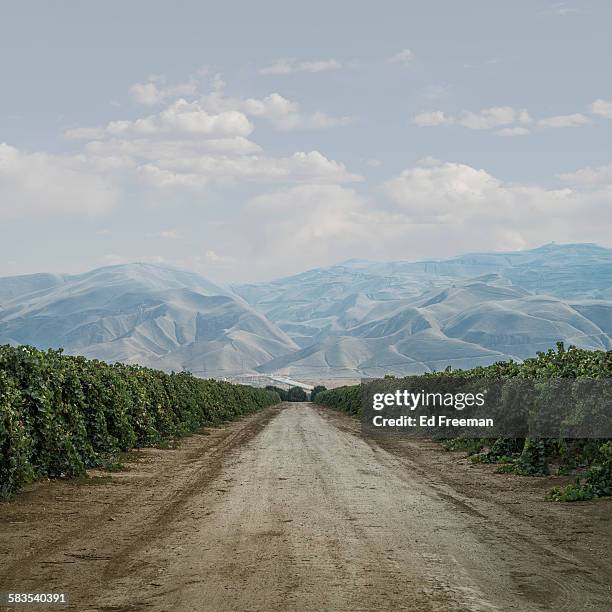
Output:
x=152 y=93
x=432 y=118
x=405 y=57
x=506 y=120
x=443 y=208
x=488 y=118
x=433 y=209
x=485 y=119
x=192 y=145
x=313 y=121
x=42 y=185
x=476 y=205
x=589 y=176
x=284 y=114
x=199 y=172
x=310 y=225
x=184 y=118
x=564 y=121
x=602 y=108
x=291 y=66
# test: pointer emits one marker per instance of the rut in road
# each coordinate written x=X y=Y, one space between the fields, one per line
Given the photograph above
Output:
x=288 y=511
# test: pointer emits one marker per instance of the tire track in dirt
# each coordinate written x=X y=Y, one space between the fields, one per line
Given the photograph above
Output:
x=290 y=509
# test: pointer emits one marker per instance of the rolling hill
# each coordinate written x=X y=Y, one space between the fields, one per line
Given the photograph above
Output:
x=356 y=318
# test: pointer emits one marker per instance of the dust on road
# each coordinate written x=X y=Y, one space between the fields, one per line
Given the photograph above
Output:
x=290 y=509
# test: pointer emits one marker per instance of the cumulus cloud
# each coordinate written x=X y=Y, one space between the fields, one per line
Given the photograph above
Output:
x=152 y=92
x=589 y=176
x=603 y=108
x=199 y=172
x=292 y=65
x=477 y=206
x=191 y=145
x=184 y=119
x=284 y=114
x=433 y=209
x=43 y=185
x=564 y=121
x=310 y=224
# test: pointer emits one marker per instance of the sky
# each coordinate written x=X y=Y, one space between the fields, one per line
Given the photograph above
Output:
x=252 y=140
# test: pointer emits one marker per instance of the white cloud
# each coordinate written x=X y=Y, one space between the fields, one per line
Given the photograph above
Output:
x=484 y=119
x=211 y=256
x=291 y=65
x=195 y=144
x=589 y=176
x=603 y=108
x=320 y=65
x=434 y=209
x=310 y=224
x=564 y=121
x=514 y=131
x=152 y=93
x=488 y=118
x=42 y=185
x=145 y=93
x=524 y=116
x=432 y=118
x=185 y=119
x=169 y=148
x=405 y=57
x=476 y=206
x=284 y=114
x=312 y=121
x=506 y=120
x=200 y=171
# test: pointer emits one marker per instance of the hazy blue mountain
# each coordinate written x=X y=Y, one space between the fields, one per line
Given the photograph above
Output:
x=141 y=313
x=370 y=317
x=356 y=318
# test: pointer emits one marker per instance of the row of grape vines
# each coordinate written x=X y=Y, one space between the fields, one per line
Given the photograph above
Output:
x=590 y=461
x=60 y=415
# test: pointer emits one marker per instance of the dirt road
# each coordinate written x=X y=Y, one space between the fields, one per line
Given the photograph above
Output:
x=291 y=509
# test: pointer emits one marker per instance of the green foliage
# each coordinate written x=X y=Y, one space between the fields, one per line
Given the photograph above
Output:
x=532 y=460
x=531 y=456
x=318 y=389
x=346 y=399
x=597 y=481
x=282 y=393
x=297 y=394
x=60 y=415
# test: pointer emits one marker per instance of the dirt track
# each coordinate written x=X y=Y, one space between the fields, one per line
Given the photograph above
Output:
x=290 y=509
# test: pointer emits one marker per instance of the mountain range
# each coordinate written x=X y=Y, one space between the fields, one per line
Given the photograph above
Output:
x=357 y=318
